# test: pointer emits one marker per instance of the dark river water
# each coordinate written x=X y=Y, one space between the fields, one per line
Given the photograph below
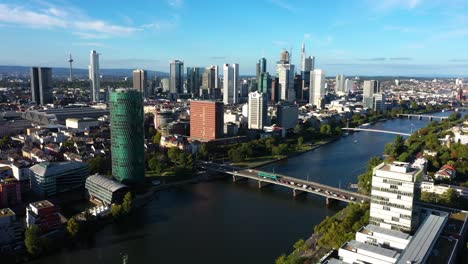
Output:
x=225 y=222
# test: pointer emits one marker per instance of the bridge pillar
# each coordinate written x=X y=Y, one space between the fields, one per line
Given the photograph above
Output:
x=297 y=192
x=330 y=201
x=431 y=118
x=262 y=184
x=409 y=116
x=420 y=117
x=237 y=178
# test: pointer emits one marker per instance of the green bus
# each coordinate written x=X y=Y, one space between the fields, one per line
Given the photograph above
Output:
x=267 y=175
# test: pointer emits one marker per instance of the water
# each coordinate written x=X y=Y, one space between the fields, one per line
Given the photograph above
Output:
x=225 y=222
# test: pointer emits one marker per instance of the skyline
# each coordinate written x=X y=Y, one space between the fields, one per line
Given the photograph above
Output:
x=392 y=37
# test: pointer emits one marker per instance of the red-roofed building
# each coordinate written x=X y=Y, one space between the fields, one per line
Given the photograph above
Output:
x=446 y=172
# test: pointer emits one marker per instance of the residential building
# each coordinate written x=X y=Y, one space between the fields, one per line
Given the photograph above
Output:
x=206 y=120
x=10 y=192
x=446 y=172
x=41 y=85
x=140 y=82
x=51 y=178
x=287 y=115
x=127 y=135
x=392 y=196
x=10 y=231
x=349 y=85
x=176 y=80
x=230 y=83
x=105 y=190
x=317 y=87
x=257 y=115
x=94 y=76
x=44 y=215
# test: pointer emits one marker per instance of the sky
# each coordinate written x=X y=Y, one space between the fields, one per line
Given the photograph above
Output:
x=358 y=37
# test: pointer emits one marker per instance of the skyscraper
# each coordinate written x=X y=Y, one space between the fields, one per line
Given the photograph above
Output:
x=194 y=80
x=370 y=88
x=263 y=65
x=340 y=83
x=94 y=76
x=41 y=85
x=127 y=135
x=317 y=87
x=230 y=83
x=307 y=66
x=264 y=83
x=258 y=104
x=307 y=63
x=206 y=120
x=140 y=82
x=176 y=80
x=349 y=84
x=216 y=69
x=285 y=73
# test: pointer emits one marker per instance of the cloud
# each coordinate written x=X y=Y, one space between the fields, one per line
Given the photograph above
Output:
x=92 y=44
x=374 y=59
x=54 y=17
x=401 y=59
x=386 y=5
x=282 y=4
x=175 y=3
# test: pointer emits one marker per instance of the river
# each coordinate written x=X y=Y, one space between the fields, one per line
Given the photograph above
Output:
x=225 y=222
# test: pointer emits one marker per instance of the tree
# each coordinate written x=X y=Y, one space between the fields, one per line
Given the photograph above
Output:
x=404 y=157
x=326 y=129
x=127 y=203
x=98 y=165
x=449 y=197
x=151 y=132
x=157 y=138
x=299 y=244
x=116 y=210
x=298 y=129
x=173 y=154
x=300 y=141
x=32 y=241
x=73 y=227
x=153 y=163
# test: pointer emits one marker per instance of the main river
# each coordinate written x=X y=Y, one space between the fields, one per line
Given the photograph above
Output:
x=225 y=222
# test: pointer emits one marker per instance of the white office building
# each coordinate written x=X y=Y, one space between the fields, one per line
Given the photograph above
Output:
x=317 y=87
x=257 y=114
x=379 y=102
x=349 y=85
x=94 y=76
x=230 y=83
x=340 y=84
x=392 y=196
x=285 y=72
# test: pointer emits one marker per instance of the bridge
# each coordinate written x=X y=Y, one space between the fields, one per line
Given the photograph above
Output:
x=420 y=117
x=298 y=186
x=376 y=130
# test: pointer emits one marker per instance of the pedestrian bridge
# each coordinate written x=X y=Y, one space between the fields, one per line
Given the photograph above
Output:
x=420 y=117
x=298 y=186
x=376 y=130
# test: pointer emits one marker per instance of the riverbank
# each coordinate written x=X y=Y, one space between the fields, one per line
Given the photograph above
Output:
x=265 y=160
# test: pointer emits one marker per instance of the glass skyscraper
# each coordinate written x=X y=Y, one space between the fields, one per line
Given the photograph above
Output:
x=127 y=135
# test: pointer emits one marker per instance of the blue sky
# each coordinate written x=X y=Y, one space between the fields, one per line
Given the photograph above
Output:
x=358 y=37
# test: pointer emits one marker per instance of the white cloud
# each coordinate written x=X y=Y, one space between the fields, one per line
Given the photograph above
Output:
x=176 y=3
x=54 y=17
x=283 y=4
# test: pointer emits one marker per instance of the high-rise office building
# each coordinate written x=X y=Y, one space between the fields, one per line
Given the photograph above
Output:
x=307 y=63
x=230 y=83
x=127 y=135
x=194 y=80
x=263 y=65
x=317 y=87
x=209 y=80
x=206 y=120
x=393 y=196
x=287 y=114
x=257 y=117
x=379 y=102
x=176 y=80
x=264 y=83
x=216 y=72
x=41 y=85
x=140 y=82
x=94 y=76
x=370 y=88
x=340 y=83
x=285 y=74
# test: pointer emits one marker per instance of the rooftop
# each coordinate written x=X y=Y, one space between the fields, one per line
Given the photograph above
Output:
x=6 y=212
x=105 y=182
x=354 y=245
x=369 y=229
x=419 y=247
x=51 y=168
x=41 y=204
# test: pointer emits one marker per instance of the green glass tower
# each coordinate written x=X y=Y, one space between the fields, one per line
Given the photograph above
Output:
x=127 y=136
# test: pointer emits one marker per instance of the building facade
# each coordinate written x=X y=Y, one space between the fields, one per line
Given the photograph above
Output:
x=195 y=80
x=10 y=192
x=140 y=82
x=230 y=83
x=392 y=196
x=44 y=215
x=127 y=135
x=340 y=83
x=10 y=231
x=206 y=120
x=317 y=87
x=51 y=178
x=285 y=74
x=176 y=80
x=41 y=85
x=287 y=115
x=257 y=114
x=94 y=76
x=105 y=190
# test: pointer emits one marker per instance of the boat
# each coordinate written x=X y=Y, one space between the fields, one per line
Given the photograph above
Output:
x=365 y=125
x=345 y=134
x=355 y=141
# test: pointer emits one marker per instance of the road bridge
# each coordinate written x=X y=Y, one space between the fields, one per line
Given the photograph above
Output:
x=298 y=186
x=420 y=117
x=376 y=130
